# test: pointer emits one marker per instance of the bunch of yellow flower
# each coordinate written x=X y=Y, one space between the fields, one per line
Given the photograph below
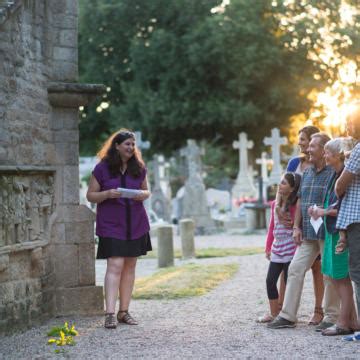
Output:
x=62 y=336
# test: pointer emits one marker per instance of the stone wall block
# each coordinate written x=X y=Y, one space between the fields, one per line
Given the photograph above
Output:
x=84 y=300
x=67 y=38
x=86 y=264
x=66 y=265
x=79 y=232
x=62 y=53
x=67 y=154
x=4 y=262
x=75 y=213
x=65 y=70
x=56 y=122
x=20 y=265
x=71 y=184
x=7 y=292
x=58 y=233
x=67 y=136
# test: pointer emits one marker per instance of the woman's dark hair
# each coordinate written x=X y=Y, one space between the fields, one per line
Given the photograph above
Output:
x=294 y=181
x=309 y=130
x=110 y=155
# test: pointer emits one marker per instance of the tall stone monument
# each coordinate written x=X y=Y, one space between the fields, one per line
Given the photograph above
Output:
x=159 y=202
x=194 y=201
x=143 y=145
x=47 y=262
x=244 y=185
x=275 y=141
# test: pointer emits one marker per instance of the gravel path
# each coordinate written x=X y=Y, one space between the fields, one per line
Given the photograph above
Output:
x=219 y=325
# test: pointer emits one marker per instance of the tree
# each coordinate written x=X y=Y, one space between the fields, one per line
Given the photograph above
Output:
x=179 y=69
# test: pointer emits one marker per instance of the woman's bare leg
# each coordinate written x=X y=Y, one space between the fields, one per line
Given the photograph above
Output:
x=127 y=282
x=112 y=280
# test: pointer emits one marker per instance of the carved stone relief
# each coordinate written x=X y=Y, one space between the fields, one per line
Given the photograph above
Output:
x=26 y=204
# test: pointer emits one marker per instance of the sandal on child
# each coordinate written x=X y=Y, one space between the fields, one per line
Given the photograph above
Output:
x=110 y=321
x=265 y=319
x=317 y=316
x=126 y=318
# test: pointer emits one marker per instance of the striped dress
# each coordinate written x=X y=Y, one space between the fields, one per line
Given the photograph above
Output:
x=279 y=240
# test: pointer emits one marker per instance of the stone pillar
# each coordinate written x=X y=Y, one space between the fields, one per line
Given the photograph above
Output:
x=73 y=238
x=165 y=246
x=187 y=230
x=251 y=219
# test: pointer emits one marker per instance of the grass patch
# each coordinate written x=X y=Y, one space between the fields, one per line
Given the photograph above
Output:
x=214 y=252
x=183 y=281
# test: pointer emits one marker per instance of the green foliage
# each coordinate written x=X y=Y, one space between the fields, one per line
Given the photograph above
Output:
x=178 y=70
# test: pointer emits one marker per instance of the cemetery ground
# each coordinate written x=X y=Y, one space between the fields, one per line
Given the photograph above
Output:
x=219 y=324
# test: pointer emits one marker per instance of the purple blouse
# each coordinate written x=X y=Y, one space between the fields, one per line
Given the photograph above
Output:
x=122 y=218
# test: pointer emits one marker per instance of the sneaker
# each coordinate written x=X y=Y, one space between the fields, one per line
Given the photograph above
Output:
x=323 y=325
x=280 y=323
x=353 y=337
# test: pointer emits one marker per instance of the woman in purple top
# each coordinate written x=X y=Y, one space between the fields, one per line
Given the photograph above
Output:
x=122 y=224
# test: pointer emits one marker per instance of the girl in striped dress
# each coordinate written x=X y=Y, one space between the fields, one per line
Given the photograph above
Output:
x=280 y=246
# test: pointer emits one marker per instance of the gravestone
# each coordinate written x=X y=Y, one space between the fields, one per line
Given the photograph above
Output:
x=143 y=145
x=244 y=185
x=194 y=203
x=264 y=163
x=275 y=141
x=160 y=204
x=165 y=246
x=47 y=248
x=164 y=177
x=187 y=228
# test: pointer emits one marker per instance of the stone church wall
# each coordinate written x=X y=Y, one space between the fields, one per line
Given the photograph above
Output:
x=46 y=238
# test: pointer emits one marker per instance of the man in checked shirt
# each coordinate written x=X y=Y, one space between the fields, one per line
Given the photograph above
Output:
x=312 y=191
x=348 y=186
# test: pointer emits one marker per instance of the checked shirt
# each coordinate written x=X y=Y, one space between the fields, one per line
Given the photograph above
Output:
x=349 y=212
x=313 y=191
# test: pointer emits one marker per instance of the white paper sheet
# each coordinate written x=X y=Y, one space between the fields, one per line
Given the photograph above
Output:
x=316 y=223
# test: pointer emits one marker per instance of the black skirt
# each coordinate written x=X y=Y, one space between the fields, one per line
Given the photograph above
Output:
x=109 y=247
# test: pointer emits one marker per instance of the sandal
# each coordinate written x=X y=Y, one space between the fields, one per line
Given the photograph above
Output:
x=127 y=318
x=317 y=316
x=335 y=330
x=265 y=319
x=110 y=321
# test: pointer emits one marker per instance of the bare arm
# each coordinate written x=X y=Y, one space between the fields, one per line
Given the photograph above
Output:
x=145 y=191
x=343 y=182
x=94 y=194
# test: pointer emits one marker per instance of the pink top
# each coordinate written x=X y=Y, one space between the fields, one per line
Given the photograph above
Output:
x=286 y=246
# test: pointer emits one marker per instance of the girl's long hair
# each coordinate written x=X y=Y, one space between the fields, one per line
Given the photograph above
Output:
x=294 y=181
x=110 y=155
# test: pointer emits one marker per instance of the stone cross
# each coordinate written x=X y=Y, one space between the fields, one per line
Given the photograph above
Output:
x=275 y=141
x=139 y=143
x=264 y=162
x=244 y=185
x=243 y=145
x=193 y=155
